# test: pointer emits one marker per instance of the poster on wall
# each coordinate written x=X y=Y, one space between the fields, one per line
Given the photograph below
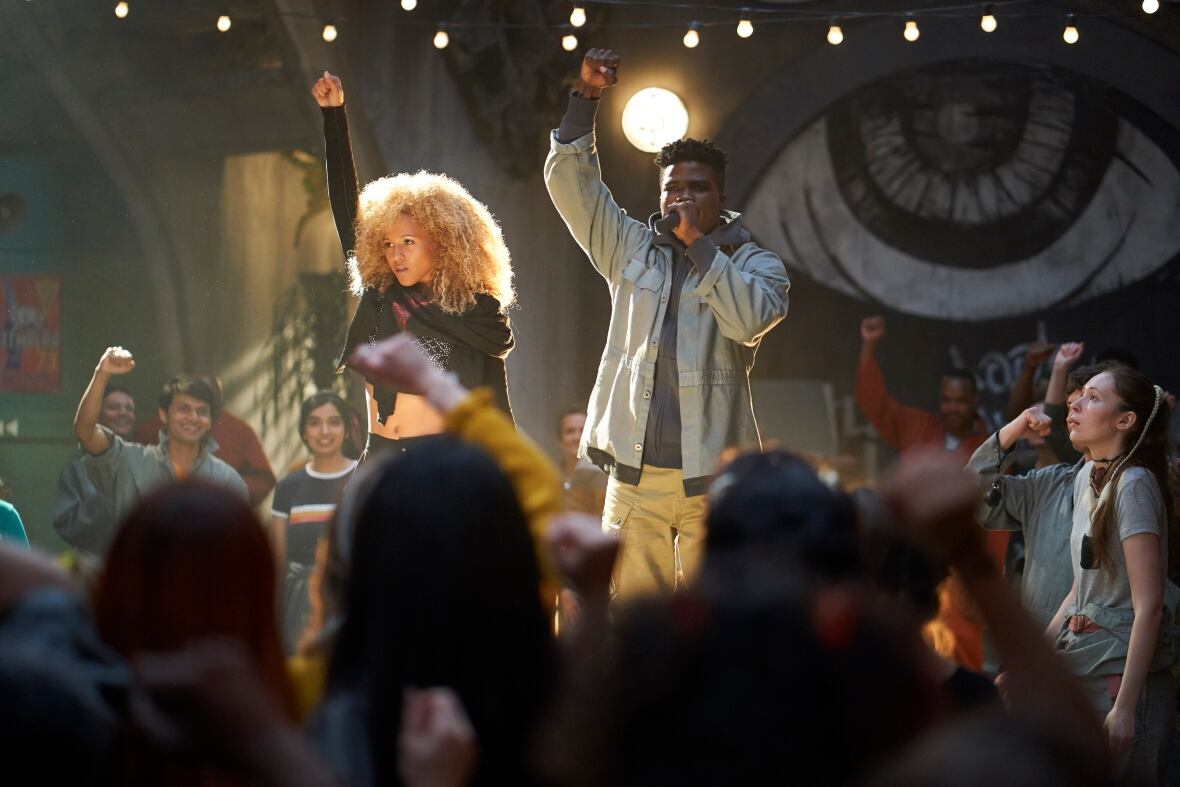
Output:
x=30 y=355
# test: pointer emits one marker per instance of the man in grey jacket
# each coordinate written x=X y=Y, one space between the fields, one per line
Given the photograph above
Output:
x=691 y=298
x=122 y=471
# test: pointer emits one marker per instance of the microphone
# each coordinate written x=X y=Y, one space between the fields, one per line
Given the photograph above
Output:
x=666 y=224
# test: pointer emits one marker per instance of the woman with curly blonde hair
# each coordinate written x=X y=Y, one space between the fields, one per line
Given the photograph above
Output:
x=426 y=257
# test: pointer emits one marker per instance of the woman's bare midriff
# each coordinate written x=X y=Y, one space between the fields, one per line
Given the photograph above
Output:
x=412 y=416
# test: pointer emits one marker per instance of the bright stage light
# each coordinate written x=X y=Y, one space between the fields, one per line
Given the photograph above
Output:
x=745 y=27
x=835 y=34
x=654 y=117
x=569 y=42
x=122 y=9
x=578 y=16
x=441 y=39
x=692 y=37
x=224 y=23
x=912 y=32
x=330 y=32
x=1070 y=34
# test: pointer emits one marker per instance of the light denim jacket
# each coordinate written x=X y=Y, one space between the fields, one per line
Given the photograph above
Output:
x=723 y=316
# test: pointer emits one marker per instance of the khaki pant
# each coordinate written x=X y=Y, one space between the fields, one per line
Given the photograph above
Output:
x=659 y=531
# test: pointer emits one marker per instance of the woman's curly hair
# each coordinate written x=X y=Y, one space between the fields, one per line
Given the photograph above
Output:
x=470 y=256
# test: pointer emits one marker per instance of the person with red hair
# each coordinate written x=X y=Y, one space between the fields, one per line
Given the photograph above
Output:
x=190 y=563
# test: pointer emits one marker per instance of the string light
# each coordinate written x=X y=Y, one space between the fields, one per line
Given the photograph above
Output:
x=1151 y=6
x=224 y=22
x=1070 y=34
x=409 y=5
x=122 y=9
x=692 y=37
x=441 y=39
x=578 y=16
x=987 y=22
x=835 y=34
x=911 y=29
x=330 y=32
x=569 y=41
x=745 y=27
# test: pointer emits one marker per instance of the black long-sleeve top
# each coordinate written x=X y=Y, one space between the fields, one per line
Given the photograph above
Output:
x=473 y=344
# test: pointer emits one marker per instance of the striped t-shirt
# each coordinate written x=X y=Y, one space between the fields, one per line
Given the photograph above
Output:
x=307 y=500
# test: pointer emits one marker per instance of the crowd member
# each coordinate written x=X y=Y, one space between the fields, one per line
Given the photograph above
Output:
x=1024 y=387
x=190 y=562
x=424 y=257
x=442 y=590
x=584 y=484
x=957 y=429
x=121 y=471
x=12 y=529
x=305 y=501
x=237 y=444
x=1039 y=503
x=692 y=296
x=81 y=516
x=1114 y=627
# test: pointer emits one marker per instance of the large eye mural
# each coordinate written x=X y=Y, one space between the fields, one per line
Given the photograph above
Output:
x=972 y=191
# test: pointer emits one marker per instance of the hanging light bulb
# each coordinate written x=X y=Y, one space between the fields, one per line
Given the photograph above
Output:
x=835 y=34
x=122 y=9
x=987 y=22
x=441 y=39
x=409 y=5
x=330 y=32
x=569 y=41
x=692 y=37
x=745 y=27
x=578 y=16
x=1070 y=34
x=224 y=22
x=911 y=29
x=1151 y=6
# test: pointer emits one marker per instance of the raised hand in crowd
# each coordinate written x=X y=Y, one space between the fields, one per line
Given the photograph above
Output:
x=1021 y=396
x=114 y=361
x=436 y=745
x=600 y=70
x=1032 y=421
x=399 y=362
x=872 y=331
x=1067 y=355
x=327 y=91
x=585 y=557
x=206 y=704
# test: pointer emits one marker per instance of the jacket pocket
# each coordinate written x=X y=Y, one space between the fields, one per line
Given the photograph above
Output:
x=643 y=276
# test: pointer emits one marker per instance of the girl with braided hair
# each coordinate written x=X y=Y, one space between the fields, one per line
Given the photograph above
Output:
x=1116 y=628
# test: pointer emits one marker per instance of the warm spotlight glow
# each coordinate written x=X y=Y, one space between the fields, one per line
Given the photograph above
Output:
x=745 y=27
x=1070 y=34
x=835 y=34
x=578 y=16
x=330 y=32
x=569 y=42
x=441 y=39
x=122 y=9
x=409 y=5
x=654 y=117
x=692 y=37
x=1151 y=6
x=911 y=30
x=987 y=23
x=224 y=23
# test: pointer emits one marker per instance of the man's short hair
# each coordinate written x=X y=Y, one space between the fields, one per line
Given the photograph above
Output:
x=689 y=149
x=115 y=388
x=190 y=386
x=955 y=373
